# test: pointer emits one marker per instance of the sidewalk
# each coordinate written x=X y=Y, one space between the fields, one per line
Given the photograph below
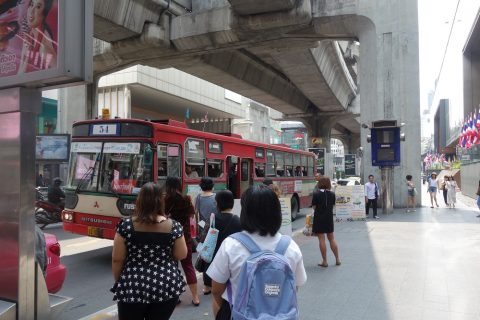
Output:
x=408 y=266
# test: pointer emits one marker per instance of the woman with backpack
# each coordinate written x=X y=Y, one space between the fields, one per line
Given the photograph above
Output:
x=180 y=208
x=226 y=223
x=268 y=253
x=323 y=202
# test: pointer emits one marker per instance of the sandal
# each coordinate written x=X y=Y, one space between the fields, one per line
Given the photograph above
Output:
x=206 y=293
x=324 y=265
x=338 y=263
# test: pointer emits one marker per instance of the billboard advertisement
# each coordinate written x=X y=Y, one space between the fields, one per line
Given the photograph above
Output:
x=320 y=157
x=28 y=36
x=52 y=147
x=350 y=165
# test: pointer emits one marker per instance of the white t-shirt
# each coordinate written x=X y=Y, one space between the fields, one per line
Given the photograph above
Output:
x=228 y=261
x=370 y=190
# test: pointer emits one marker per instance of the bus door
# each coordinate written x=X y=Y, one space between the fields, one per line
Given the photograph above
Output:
x=233 y=172
x=246 y=174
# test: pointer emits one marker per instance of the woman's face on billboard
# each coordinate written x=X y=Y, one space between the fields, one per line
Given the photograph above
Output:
x=35 y=13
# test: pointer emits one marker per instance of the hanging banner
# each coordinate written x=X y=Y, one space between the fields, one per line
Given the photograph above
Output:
x=320 y=157
x=350 y=165
x=350 y=203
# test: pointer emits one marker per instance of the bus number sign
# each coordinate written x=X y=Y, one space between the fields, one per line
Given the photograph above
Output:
x=104 y=130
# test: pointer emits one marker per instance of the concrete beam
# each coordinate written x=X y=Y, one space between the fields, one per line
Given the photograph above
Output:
x=238 y=71
x=247 y=7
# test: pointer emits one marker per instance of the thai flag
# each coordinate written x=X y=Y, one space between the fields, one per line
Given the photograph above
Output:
x=476 y=137
x=477 y=124
x=464 y=135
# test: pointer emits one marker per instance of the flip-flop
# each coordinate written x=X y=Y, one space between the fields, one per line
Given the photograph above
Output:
x=338 y=263
x=206 y=293
x=323 y=265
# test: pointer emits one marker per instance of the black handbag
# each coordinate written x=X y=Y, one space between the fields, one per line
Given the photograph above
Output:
x=201 y=265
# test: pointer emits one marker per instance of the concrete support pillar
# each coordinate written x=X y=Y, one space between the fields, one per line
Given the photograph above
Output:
x=73 y=105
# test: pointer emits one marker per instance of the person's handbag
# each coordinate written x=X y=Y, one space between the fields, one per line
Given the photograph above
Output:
x=307 y=230
x=206 y=249
x=201 y=265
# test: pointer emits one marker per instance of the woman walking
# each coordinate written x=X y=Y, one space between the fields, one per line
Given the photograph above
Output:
x=260 y=219
x=145 y=250
x=180 y=208
x=322 y=203
x=226 y=223
x=410 y=194
x=433 y=188
x=443 y=187
x=451 y=192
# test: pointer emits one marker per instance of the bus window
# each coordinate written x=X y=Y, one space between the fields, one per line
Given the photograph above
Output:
x=215 y=168
x=244 y=173
x=162 y=161
x=296 y=160
x=84 y=165
x=304 y=166
x=310 y=166
x=260 y=170
x=194 y=158
x=123 y=168
x=289 y=164
x=280 y=163
x=270 y=164
x=169 y=161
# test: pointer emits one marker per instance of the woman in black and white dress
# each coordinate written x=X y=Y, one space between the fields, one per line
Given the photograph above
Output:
x=146 y=249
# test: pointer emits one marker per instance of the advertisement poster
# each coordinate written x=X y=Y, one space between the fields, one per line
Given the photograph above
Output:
x=343 y=203
x=350 y=165
x=54 y=147
x=286 y=207
x=320 y=157
x=358 y=203
x=28 y=36
x=350 y=203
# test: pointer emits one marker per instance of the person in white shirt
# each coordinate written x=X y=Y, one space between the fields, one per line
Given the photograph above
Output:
x=371 y=196
x=192 y=174
x=261 y=219
x=451 y=186
x=433 y=188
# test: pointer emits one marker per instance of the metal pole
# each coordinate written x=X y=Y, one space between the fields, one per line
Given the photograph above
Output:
x=387 y=189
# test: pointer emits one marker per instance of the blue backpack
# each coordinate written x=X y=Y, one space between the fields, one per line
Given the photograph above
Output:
x=266 y=288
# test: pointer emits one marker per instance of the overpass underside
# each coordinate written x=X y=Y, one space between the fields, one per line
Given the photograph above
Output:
x=296 y=56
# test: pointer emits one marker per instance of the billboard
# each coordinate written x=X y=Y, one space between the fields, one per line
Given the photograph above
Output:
x=29 y=36
x=350 y=165
x=55 y=147
x=320 y=157
x=45 y=42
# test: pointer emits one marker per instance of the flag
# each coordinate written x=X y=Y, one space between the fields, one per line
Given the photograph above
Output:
x=476 y=121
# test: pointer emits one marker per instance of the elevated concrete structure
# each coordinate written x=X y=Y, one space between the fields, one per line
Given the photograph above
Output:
x=284 y=54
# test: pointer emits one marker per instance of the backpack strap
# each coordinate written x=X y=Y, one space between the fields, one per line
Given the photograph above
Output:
x=282 y=245
x=246 y=241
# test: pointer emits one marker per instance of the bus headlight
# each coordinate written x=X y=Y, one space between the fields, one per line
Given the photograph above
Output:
x=67 y=216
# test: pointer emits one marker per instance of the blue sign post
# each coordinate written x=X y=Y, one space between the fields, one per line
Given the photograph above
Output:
x=385 y=137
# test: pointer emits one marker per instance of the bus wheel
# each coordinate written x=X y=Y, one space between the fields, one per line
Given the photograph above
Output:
x=295 y=206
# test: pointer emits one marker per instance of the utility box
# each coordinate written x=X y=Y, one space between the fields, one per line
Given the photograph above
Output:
x=385 y=139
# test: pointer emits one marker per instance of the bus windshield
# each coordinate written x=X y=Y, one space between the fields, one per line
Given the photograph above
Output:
x=113 y=167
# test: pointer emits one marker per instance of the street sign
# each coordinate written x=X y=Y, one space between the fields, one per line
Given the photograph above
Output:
x=350 y=165
x=317 y=141
x=320 y=157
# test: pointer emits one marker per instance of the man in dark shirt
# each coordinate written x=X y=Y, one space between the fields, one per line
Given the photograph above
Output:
x=226 y=223
x=56 y=194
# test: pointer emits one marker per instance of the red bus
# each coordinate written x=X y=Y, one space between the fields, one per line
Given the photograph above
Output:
x=111 y=159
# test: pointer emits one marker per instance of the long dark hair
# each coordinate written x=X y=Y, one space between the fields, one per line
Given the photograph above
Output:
x=173 y=186
x=150 y=203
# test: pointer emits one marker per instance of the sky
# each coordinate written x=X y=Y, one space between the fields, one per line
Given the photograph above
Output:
x=436 y=18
